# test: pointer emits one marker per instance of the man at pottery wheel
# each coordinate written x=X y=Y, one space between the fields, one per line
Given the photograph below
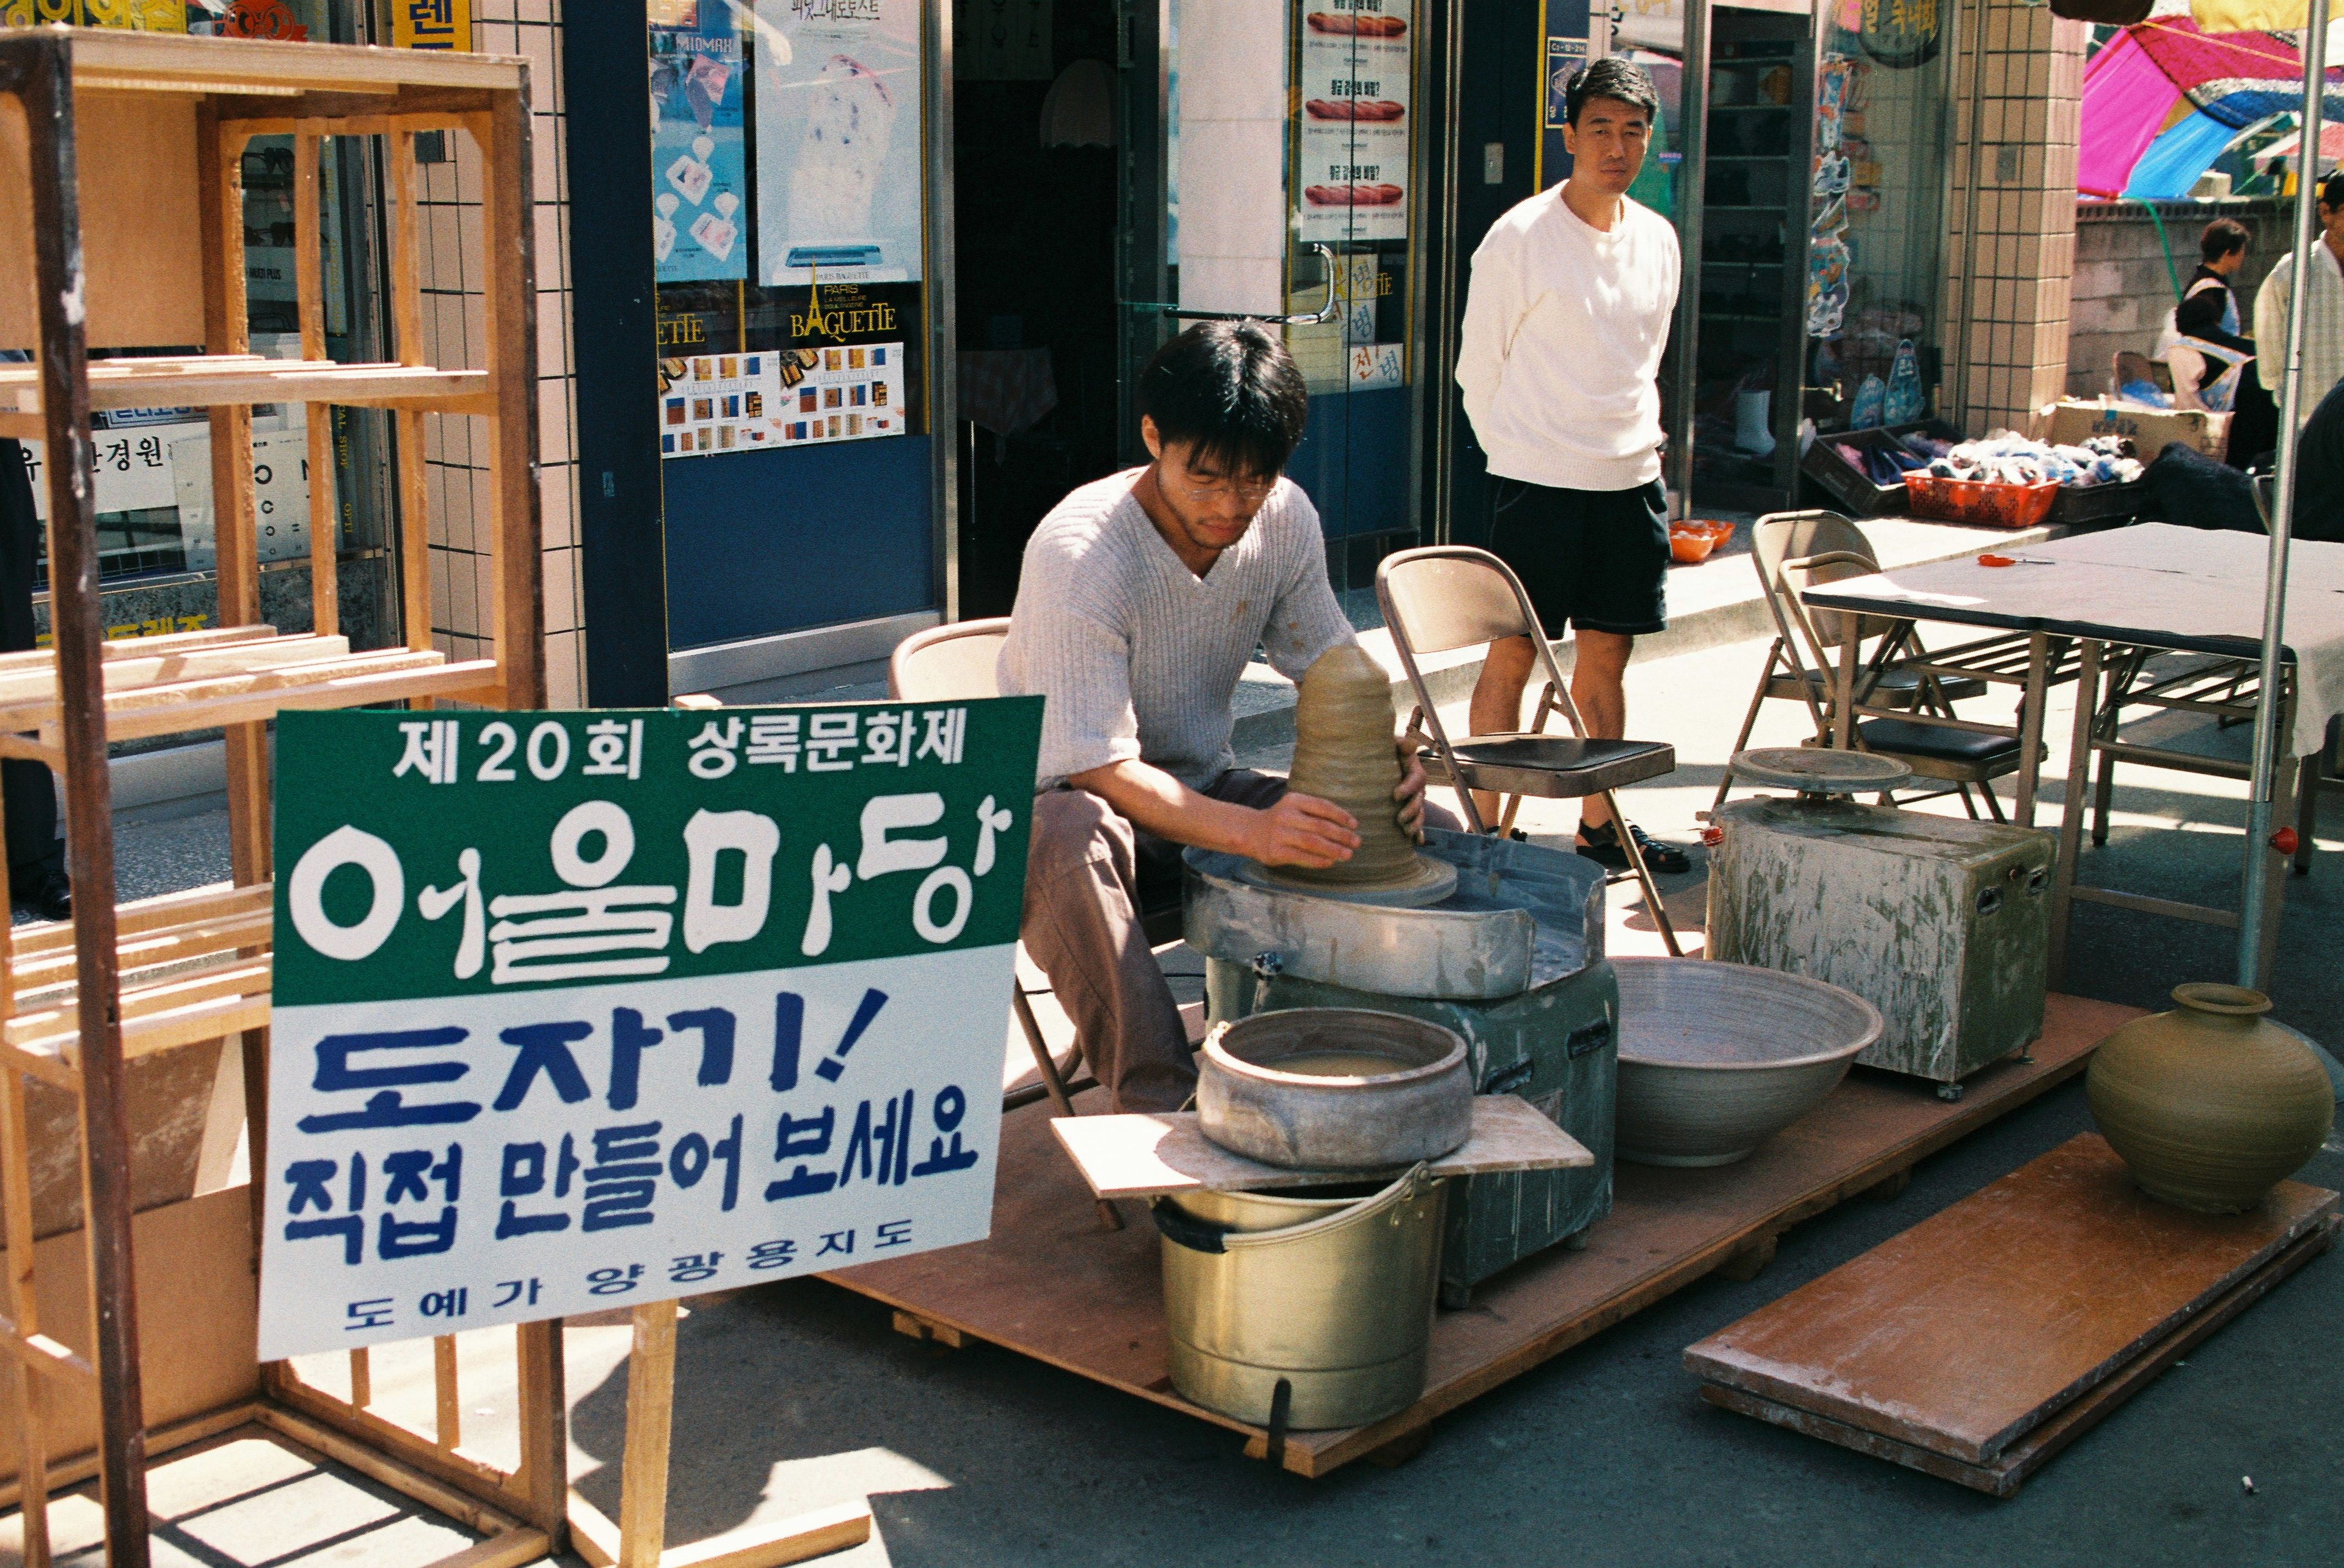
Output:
x=1144 y=596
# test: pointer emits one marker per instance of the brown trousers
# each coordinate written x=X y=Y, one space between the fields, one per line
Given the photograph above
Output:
x=1090 y=877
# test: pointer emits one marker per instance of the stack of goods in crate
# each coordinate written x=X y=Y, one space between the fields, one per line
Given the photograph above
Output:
x=2005 y=457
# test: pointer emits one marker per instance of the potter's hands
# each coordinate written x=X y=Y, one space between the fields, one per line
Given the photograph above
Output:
x=1303 y=830
x=1410 y=791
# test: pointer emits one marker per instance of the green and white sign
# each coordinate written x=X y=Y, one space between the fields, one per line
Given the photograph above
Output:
x=579 y=1009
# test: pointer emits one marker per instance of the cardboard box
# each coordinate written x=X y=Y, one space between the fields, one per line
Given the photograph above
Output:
x=2071 y=420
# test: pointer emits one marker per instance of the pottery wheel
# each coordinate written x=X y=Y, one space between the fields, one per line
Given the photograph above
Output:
x=1813 y=770
x=1429 y=881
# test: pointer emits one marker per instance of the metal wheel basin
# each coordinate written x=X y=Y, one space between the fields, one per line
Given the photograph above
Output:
x=1335 y=1089
x=1716 y=1058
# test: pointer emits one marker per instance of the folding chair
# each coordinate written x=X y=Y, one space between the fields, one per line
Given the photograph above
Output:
x=1794 y=549
x=1827 y=547
x=1450 y=596
x=957 y=663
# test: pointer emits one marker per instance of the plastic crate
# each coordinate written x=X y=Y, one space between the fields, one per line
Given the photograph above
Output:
x=1976 y=502
x=2099 y=502
x=1855 y=492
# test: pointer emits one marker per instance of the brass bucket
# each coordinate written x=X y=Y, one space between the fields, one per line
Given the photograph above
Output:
x=1328 y=1291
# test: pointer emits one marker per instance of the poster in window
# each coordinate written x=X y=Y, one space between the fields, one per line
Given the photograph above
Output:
x=839 y=175
x=1354 y=94
x=699 y=146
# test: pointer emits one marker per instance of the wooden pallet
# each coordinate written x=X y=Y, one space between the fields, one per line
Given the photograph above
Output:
x=1050 y=1284
x=2091 y=1287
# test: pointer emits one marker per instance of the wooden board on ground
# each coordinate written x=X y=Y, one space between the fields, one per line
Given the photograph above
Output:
x=2082 y=1275
x=1051 y=1284
x=2017 y=1463
x=1148 y=1155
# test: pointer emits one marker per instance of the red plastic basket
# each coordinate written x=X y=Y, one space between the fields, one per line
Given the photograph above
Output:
x=1976 y=502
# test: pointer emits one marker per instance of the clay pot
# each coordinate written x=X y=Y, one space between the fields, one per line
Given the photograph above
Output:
x=2210 y=1105
x=1344 y=752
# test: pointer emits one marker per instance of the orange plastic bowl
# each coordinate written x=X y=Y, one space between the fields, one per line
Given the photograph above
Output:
x=1692 y=541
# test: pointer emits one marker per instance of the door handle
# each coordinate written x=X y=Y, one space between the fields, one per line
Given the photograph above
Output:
x=1318 y=318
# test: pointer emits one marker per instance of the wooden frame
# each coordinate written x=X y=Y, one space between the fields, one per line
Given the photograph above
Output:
x=195 y=968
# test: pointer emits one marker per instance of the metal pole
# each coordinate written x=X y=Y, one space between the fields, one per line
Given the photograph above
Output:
x=2267 y=711
x=1692 y=117
x=1962 y=323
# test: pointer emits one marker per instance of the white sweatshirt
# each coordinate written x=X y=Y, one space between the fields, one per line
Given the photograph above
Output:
x=1561 y=358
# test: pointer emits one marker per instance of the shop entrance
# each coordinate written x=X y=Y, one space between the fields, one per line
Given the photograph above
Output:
x=1037 y=166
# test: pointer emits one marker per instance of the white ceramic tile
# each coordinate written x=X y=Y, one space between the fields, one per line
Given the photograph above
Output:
x=555 y=502
x=564 y=671
x=1231 y=283
x=560 y=590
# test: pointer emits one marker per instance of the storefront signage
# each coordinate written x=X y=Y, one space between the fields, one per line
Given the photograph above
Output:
x=1356 y=60
x=699 y=149
x=839 y=171
x=583 y=1010
x=433 y=25
x=140 y=16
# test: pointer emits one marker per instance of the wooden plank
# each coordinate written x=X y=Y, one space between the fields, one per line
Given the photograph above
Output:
x=1050 y=1284
x=160 y=1439
x=309 y=287
x=137 y=179
x=2019 y=1462
x=1148 y=1155
x=651 y=1415
x=429 y=1490
x=474 y=680
x=134 y=384
x=2078 y=1270
x=814 y=1533
x=248 y=65
x=508 y=1550
x=509 y=229
x=17 y=686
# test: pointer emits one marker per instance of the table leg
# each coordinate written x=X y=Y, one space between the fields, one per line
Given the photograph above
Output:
x=2030 y=728
x=2073 y=806
x=2285 y=781
x=1843 y=706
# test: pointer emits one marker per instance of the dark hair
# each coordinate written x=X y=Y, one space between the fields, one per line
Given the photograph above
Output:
x=2331 y=189
x=2223 y=237
x=1612 y=77
x=1232 y=390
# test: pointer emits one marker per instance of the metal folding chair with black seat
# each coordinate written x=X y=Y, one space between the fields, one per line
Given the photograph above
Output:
x=957 y=663
x=1900 y=696
x=1896 y=684
x=1445 y=597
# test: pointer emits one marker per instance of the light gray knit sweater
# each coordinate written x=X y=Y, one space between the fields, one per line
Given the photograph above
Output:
x=1137 y=654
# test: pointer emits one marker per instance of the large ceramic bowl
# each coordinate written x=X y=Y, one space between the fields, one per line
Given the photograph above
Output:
x=1715 y=1058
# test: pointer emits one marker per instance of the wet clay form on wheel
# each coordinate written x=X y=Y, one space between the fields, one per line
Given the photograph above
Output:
x=2211 y=1105
x=1343 y=752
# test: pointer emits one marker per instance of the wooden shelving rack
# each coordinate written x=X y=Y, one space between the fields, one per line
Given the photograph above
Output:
x=120 y=157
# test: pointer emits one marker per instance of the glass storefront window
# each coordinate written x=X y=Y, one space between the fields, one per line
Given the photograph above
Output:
x=1875 y=248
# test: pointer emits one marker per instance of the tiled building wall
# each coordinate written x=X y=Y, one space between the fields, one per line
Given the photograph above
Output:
x=455 y=448
x=2031 y=74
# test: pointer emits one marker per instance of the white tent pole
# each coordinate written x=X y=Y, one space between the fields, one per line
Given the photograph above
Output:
x=2261 y=857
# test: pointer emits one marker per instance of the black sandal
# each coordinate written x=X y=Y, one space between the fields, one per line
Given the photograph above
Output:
x=1602 y=845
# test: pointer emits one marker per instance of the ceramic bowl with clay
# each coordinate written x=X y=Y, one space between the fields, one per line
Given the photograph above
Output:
x=1715 y=1058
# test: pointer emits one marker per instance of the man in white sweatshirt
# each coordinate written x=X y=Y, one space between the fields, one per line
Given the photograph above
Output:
x=1568 y=313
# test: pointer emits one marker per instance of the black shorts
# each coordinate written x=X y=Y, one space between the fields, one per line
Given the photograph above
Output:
x=1595 y=558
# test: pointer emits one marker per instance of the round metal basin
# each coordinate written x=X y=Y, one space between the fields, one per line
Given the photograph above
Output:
x=1715 y=1058
x=1334 y=1088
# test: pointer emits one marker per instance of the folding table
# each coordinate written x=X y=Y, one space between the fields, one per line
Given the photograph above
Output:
x=2150 y=586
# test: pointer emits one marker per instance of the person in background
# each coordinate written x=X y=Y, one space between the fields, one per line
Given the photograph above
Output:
x=1142 y=599
x=1559 y=366
x=2319 y=472
x=36 y=856
x=2323 y=321
x=2208 y=312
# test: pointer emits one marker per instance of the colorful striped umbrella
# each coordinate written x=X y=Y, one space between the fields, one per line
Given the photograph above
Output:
x=2162 y=99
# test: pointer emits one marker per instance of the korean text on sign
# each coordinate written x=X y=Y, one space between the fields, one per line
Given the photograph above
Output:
x=577 y=1008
